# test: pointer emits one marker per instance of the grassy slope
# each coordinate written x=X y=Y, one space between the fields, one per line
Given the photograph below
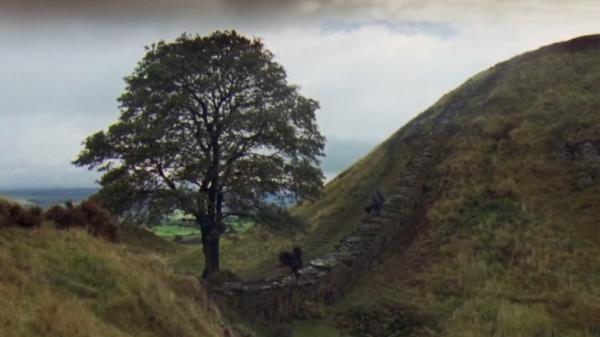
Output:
x=66 y=283
x=337 y=212
x=249 y=255
x=513 y=247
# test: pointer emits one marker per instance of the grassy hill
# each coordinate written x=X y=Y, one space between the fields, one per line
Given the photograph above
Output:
x=67 y=283
x=509 y=243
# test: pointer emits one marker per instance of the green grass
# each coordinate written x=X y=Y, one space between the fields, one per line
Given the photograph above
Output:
x=513 y=245
x=67 y=283
x=510 y=245
x=250 y=255
x=140 y=240
x=173 y=230
x=313 y=328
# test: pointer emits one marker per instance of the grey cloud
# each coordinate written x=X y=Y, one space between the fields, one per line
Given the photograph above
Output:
x=341 y=153
x=164 y=7
x=160 y=8
x=371 y=68
x=37 y=8
x=442 y=29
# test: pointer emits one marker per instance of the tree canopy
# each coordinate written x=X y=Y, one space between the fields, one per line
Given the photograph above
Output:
x=208 y=125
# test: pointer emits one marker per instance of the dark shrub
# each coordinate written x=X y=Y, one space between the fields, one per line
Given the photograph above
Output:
x=15 y=213
x=65 y=218
x=88 y=215
x=12 y=214
x=27 y=219
x=99 y=221
x=4 y=213
x=18 y=216
x=56 y=215
x=75 y=218
x=36 y=211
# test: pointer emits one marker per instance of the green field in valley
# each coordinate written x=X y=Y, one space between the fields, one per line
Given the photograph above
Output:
x=173 y=230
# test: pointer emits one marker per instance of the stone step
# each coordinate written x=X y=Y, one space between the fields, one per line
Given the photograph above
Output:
x=313 y=272
x=325 y=263
x=358 y=247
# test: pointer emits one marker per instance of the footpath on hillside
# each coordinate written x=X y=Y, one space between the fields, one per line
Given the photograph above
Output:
x=326 y=278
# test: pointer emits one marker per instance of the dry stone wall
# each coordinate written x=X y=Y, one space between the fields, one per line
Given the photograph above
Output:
x=324 y=279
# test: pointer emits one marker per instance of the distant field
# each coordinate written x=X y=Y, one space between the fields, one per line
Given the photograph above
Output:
x=172 y=230
x=175 y=224
x=48 y=197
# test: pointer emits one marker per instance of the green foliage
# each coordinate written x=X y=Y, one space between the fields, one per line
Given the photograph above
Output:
x=210 y=126
x=229 y=104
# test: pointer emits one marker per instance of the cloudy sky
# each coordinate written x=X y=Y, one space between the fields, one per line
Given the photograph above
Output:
x=372 y=64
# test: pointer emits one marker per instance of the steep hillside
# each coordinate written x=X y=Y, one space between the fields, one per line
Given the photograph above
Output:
x=509 y=244
x=497 y=237
x=67 y=283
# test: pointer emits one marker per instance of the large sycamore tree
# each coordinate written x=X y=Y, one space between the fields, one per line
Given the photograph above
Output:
x=209 y=125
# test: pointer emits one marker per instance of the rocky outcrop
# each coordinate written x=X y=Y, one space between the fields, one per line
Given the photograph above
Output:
x=326 y=278
x=587 y=153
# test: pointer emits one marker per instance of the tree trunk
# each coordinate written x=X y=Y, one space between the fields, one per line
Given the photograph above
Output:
x=211 y=234
x=210 y=239
x=210 y=248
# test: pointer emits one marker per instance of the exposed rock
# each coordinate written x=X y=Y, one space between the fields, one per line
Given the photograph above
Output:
x=588 y=153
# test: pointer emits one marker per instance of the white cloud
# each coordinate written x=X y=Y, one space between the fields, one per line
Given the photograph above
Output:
x=373 y=66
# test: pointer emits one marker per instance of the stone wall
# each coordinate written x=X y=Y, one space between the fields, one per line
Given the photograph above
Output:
x=326 y=278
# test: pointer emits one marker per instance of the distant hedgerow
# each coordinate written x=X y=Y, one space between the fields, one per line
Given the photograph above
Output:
x=14 y=215
x=4 y=213
x=89 y=215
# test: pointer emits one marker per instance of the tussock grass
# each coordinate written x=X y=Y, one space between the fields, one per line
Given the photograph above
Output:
x=513 y=244
x=510 y=245
x=341 y=207
x=337 y=212
x=250 y=255
x=67 y=283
